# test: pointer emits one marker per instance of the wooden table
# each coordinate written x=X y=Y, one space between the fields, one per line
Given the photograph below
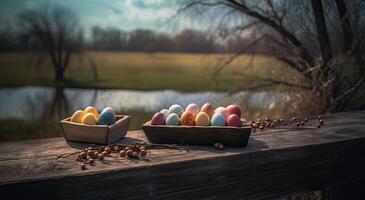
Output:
x=275 y=163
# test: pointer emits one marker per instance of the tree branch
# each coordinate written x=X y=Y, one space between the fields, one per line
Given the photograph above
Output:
x=280 y=29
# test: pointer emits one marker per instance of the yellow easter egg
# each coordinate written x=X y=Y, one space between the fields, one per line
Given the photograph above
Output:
x=89 y=119
x=77 y=116
x=202 y=119
x=92 y=110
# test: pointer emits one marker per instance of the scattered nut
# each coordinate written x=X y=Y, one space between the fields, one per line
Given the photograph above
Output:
x=96 y=154
x=143 y=153
x=90 y=153
x=107 y=149
x=91 y=161
x=129 y=153
x=83 y=155
x=122 y=153
x=101 y=156
x=116 y=148
x=105 y=153
x=82 y=166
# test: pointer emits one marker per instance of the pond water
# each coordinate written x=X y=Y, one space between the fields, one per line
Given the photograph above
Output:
x=34 y=112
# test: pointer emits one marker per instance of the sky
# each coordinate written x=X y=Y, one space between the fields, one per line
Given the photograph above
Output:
x=124 y=14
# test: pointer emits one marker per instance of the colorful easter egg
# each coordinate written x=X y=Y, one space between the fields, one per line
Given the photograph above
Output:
x=234 y=109
x=187 y=119
x=111 y=110
x=77 y=116
x=223 y=111
x=208 y=108
x=172 y=119
x=106 y=117
x=92 y=110
x=165 y=112
x=202 y=119
x=218 y=119
x=234 y=120
x=158 y=119
x=89 y=119
x=193 y=108
x=176 y=109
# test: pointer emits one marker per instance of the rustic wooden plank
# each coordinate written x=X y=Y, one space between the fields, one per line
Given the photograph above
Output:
x=50 y=147
x=274 y=163
x=226 y=177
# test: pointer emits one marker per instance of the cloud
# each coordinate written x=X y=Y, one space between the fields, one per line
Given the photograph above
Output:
x=116 y=11
x=148 y=4
x=124 y=14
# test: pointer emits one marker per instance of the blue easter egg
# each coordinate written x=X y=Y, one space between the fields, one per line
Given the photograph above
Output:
x=176 y=109
x=218 y=120
x=172 y=119
x=106 y=118
x=109 y=109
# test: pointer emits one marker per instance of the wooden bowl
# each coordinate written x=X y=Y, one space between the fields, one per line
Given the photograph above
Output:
x=197 y=135
x=99 y=134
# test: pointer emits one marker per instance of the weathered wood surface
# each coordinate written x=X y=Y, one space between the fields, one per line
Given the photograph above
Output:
x=273 y=164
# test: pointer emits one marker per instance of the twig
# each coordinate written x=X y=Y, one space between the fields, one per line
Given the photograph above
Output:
x=68 y=154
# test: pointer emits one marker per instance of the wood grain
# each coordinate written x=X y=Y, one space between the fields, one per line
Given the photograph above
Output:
x=274 y=163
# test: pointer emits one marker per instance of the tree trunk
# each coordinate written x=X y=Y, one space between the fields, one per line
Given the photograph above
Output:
x=59 y=74
x=348 y=36
x=322 y=32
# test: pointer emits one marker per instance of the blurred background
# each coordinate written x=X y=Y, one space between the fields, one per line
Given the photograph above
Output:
x=272 y=57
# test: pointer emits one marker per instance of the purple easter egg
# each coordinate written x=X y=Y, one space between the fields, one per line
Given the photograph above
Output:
x=158 y=119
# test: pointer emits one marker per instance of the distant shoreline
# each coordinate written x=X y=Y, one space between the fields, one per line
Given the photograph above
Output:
x=144 y=71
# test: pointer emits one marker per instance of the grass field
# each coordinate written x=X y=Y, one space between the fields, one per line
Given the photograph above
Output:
x=143 y=71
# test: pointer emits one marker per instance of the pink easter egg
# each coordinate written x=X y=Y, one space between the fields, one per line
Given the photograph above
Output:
x=234 y=109
x=193 y=108
x=234 y=120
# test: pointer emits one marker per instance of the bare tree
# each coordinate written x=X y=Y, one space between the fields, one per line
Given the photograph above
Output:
x=300 y=28
x=55 y=30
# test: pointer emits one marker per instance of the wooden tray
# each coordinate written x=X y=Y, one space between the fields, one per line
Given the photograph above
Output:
x=99 y=134
x=197 y=135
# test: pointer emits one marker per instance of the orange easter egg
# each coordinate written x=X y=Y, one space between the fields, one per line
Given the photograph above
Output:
x=223 y=111
x=187 y=119
x=208 y=108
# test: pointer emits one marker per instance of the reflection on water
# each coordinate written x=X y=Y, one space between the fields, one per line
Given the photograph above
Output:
x=35 y=108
